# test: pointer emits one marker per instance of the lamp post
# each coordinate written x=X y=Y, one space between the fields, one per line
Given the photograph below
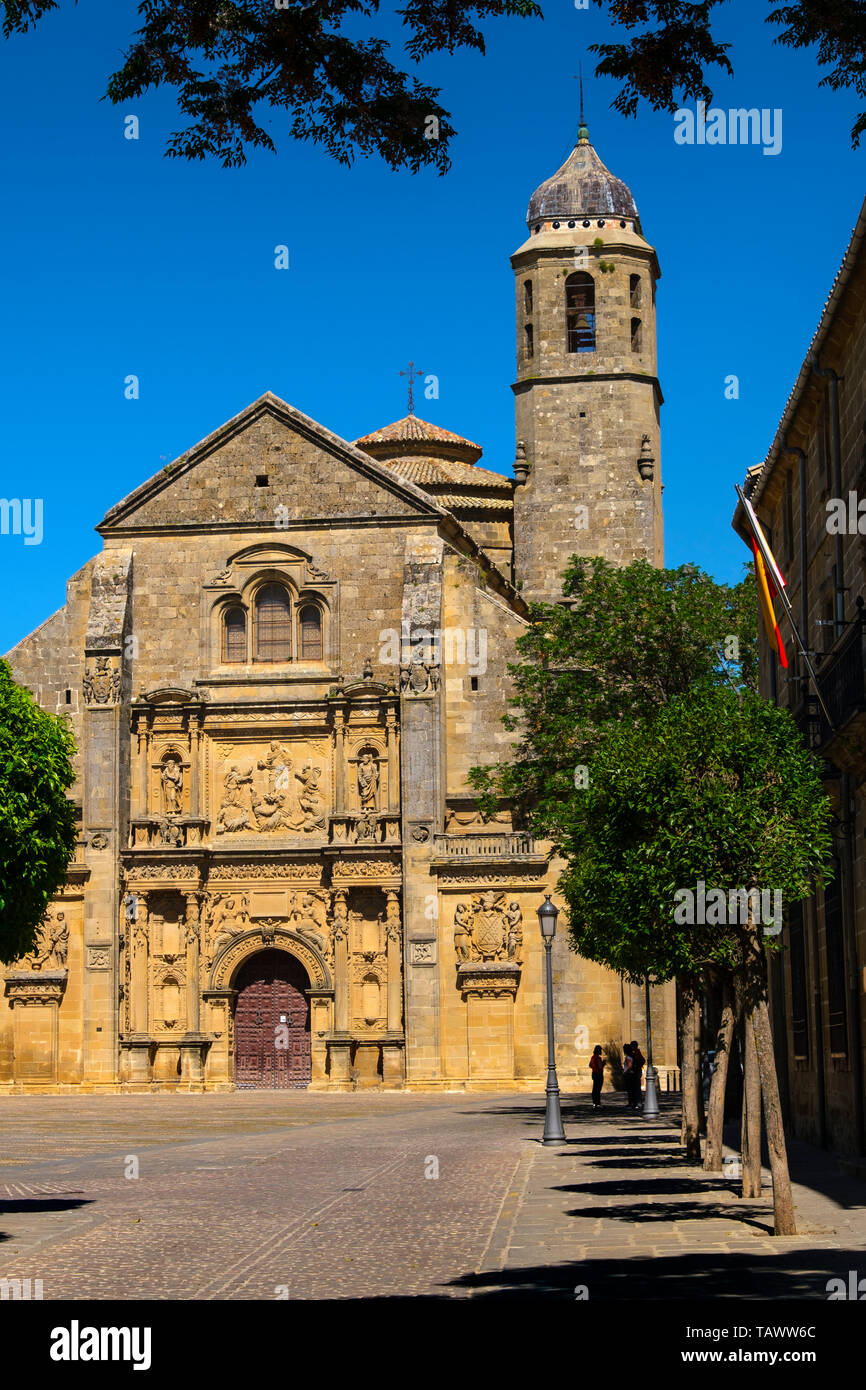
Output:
x=651 y=1098
x=553 y=1131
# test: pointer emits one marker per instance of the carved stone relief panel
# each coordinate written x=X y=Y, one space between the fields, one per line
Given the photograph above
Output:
x=274 y=788
x=52 y=943
x=101 y=683
x=488 y=928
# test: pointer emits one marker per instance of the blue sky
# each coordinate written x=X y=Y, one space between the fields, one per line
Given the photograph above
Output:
x=119 y=261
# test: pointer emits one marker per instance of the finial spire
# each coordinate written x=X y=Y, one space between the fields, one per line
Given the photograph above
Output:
x=583 y=130
x=411 y=374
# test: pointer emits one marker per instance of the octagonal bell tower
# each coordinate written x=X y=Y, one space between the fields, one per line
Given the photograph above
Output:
x=588 y=475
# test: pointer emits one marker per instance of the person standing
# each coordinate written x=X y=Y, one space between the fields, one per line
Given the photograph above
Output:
x=627 y=1072
x=638 y=1062
x=596 y=1066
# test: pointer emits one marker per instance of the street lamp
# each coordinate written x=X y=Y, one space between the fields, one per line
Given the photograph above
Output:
x=553 y=1131
x=651 y=1098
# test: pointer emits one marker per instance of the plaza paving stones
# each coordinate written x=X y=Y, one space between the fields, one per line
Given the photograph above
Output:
x=264 y=1195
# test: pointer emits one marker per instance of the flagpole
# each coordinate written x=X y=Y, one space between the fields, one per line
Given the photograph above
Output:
x=780 y=590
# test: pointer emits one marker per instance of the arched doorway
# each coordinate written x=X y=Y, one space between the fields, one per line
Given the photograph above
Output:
x=272 y=1024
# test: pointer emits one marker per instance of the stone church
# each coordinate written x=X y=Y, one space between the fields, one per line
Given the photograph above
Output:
x=279 y=670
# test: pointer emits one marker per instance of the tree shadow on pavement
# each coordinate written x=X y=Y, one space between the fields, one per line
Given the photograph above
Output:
x=787 y=1274
x=638 y=1212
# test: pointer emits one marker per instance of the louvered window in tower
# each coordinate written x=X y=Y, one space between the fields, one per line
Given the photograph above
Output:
x=310 y=623
x=580 y=312
x=273 y=624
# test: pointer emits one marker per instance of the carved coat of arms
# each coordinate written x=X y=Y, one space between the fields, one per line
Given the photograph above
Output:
x=488 y=929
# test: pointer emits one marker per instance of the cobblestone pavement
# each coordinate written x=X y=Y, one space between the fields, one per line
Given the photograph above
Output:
x=269 y=1195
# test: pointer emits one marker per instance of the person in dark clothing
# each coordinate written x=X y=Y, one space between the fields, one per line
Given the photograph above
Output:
x=627 y=1069
x=638 y=1062
x=596 y=1066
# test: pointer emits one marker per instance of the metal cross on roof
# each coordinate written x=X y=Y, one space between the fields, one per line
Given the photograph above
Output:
x=411 y=374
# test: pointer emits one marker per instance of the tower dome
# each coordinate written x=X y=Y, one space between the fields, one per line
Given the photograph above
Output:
x=582 y=187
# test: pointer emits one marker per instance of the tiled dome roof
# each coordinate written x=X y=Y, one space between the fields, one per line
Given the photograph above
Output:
x=440 y=462
x=413 y=436
x=583 y=187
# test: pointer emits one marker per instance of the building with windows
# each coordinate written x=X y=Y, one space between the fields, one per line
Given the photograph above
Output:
x=810 y=495
x=280 y=668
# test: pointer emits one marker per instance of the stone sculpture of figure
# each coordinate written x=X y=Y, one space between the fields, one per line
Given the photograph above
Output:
x=270 y=808
x=368 y=781
x=514 y=918
x=339 y=924
x=308 y=918
x=58 y=940
x=228 y=920
x=462 y=933
x=309 y=798
x=367 y=828
x=233 y=814
x=172 y=786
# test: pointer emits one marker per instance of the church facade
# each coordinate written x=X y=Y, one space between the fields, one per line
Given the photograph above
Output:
x=279 y=670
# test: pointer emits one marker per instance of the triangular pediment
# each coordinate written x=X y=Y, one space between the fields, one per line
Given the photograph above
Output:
x=270 y=464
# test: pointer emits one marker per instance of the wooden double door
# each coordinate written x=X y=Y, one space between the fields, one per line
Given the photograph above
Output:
x=272 y=1024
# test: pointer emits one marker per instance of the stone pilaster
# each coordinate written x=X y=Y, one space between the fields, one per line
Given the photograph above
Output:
x=105 y=753
x=422 y=798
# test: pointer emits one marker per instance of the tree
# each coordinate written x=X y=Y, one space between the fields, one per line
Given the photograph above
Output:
x=230 y=61
x=625 y=641
x=660 y=64
x=690 y=820
x=37 y=820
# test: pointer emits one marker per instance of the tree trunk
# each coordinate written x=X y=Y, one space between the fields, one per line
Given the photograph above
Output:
x=691 y=1079
x=716 y=1111
x=783 y=1200
x=750 y=1130
x=758 y=1026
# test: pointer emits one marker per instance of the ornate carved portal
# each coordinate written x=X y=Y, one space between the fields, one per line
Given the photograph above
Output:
x=272 y=1023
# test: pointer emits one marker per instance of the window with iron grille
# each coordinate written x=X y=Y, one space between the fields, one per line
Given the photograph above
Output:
x=235 y=635
x=273 y=624
x=580 y=312
x=799 y=984
x=310 y=625
x=835 y=944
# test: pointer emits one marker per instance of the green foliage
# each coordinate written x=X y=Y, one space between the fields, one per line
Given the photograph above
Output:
x=232 y=63
x=37 y=820
x=667 y=64
x=717 y=786
x=630 y=639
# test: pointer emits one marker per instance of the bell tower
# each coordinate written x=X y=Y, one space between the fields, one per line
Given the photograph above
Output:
x=587 y=472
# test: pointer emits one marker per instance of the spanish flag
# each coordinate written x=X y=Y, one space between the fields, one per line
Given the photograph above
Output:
x=766 y=590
